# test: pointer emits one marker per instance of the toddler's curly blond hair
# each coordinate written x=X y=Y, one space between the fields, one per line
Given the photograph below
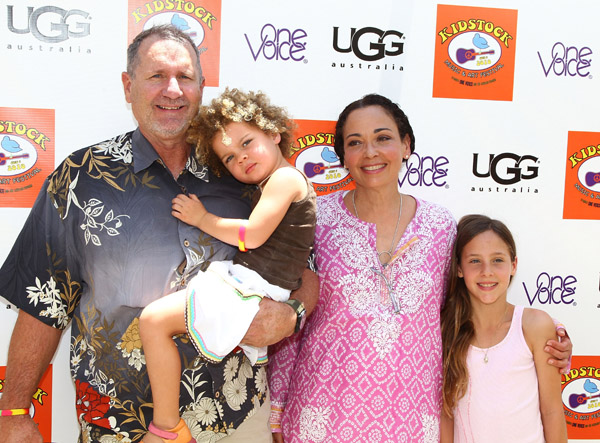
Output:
x=233 y=105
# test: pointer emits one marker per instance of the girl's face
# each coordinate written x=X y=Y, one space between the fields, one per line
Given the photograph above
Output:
x=248 y=153
x=373 y=147
x=486 y=266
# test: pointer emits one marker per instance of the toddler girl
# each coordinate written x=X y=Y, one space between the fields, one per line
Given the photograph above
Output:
x=244 y=135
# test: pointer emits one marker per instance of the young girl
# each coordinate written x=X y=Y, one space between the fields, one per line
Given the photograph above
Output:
x=246 y=136
x=497 y=385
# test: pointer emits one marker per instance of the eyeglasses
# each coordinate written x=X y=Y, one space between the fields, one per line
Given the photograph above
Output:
x=394 y=297
x=396 y=303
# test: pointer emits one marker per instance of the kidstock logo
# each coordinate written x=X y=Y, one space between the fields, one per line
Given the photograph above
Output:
x=49 y=24
x=567 y=61
x=425 y=171
x=369 y=44
x=278 y=44
x=552 y=290
x=507 y=168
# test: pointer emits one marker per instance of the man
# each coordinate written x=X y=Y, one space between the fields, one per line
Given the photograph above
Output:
x=100 y=244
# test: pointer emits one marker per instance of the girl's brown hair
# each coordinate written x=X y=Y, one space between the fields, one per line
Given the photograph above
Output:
x=233 y=105
x=457 y=327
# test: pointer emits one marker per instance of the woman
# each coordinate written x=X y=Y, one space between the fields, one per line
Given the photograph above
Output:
x=368 y=364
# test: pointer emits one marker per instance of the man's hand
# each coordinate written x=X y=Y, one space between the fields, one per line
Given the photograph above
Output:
x=18 y=429
x=561 y=351
x=276 y=320
x=273 y=322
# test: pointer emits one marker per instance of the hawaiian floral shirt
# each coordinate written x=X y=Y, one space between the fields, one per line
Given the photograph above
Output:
x=99 y=245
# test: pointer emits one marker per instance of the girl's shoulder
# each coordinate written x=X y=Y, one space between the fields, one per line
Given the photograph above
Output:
x=538 y=326
x=288 y=173
x=290 y=180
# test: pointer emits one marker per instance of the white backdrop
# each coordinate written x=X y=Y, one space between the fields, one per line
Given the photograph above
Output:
x=83 y=86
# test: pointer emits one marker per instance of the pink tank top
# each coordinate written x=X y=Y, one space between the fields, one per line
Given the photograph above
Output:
x=502 y=401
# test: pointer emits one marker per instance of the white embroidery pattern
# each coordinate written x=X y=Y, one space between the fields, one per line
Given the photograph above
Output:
x=431 y=428
x=364 y=293
x=313 y=424
x=383 y=332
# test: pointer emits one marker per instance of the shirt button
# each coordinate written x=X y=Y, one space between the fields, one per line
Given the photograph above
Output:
x=186 y=243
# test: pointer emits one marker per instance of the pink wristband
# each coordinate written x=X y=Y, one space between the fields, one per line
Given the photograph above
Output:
x=161 y=433
x=242 y=237
x=9 y=412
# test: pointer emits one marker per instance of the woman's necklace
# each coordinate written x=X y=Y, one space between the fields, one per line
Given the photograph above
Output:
x=485 y=351
x=389 y=251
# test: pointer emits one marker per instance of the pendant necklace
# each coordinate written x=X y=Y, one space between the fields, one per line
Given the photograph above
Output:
x=485 y=351
x=389 y=251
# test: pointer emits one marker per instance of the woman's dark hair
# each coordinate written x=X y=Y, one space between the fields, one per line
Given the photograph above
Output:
x=457 y=327
x=387 y=105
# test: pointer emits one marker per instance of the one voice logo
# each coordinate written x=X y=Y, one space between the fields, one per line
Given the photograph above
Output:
x=552 y=290
x=368 y=44
x=566 y=61
x=506 y=169
x=425 y=171
x=48 y=24
x=278 y=44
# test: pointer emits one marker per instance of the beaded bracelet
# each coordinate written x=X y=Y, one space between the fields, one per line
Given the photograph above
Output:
x=242 y=237
x=275 y=419
x=9 y=412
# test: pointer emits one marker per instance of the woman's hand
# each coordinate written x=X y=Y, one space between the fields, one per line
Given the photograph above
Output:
x=188 y=209
x=277 y=437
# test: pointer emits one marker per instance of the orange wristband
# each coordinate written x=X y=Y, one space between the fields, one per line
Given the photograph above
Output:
x=242 y=238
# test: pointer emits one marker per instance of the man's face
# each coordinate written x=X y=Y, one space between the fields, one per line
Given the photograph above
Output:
x=165 y=91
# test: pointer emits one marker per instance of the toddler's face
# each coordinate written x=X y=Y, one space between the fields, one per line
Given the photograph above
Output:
x=248 y=153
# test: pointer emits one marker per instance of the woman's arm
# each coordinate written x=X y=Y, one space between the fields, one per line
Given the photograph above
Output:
x=446 y=429
x=285 y=186
x=538 y=328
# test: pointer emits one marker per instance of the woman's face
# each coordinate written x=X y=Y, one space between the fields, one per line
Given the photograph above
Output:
x=373 y=148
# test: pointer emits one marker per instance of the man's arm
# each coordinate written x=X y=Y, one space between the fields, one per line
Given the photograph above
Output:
x=275 y=320
x=560 y=350
x=32 y=347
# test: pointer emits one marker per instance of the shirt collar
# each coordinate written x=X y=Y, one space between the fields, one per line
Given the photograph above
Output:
x=143 y=152
x=144 y=155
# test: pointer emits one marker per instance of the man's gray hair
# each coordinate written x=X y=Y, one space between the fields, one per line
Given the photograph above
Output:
x=164 y=32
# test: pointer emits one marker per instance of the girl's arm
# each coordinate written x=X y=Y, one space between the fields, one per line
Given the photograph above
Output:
x=538 y=328
x=285 y=186
x=446 y=429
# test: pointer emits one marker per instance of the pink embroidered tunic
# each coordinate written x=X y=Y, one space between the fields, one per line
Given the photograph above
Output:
x=359 y=371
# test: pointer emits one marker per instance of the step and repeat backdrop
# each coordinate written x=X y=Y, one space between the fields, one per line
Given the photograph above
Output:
x=503 y=96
